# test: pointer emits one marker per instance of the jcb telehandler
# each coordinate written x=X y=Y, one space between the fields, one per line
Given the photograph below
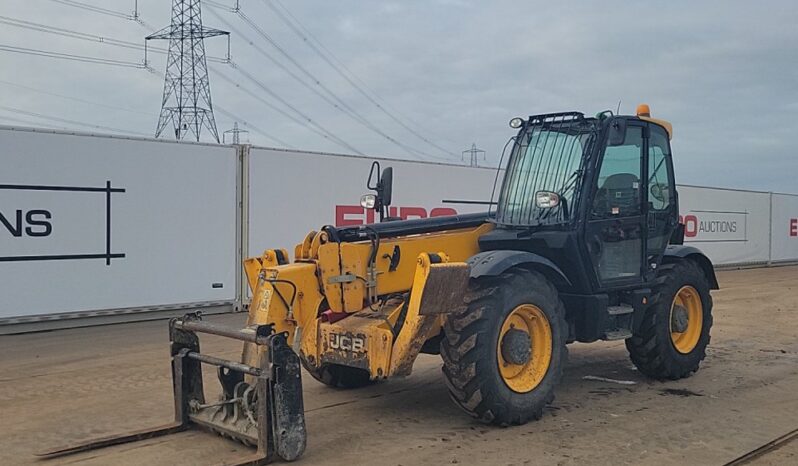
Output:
x=584 y=244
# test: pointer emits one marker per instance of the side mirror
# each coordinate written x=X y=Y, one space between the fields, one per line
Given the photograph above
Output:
x=382 y=185
x=386 y=186
x=617 y=132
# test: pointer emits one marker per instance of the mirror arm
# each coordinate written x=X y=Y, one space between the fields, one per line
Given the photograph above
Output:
x=374 y=164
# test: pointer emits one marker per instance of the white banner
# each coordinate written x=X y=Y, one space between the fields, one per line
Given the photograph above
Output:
x=729 y=226
x=292 y=193
x=785 y=227
x=94 y=223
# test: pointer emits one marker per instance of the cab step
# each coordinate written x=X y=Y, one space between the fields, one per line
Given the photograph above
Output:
x=620 y=310
x=621 y=334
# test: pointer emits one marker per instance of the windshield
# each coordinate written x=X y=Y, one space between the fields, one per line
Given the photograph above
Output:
x=546 y=157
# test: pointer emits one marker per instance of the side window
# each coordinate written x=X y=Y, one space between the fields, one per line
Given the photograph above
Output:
x=618 y=187
x=659 y=178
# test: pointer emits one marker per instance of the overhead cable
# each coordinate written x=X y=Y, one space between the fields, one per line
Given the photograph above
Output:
x=71 y=122
x=75 y=99
x=96 y=9
x=317 y=46
x=68 y=56
x=303 y=120
x=348 y=109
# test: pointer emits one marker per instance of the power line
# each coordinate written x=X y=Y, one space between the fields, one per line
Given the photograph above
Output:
x=235 y=117
x=105 y=11
x=127 y=44
x=321 y=132
x=71 y=122
x=324 y=133
x=75 y=99
x=349 y=110
x=307 y=120
x=96 y=9
x=303 y=119
x=296 y=77
x=221 y=6
x=33 y=124
x=340 y=68
x=75 y=34
x=276 y=62
x=317 y=81
x=104 y=40
x=335 y=101
x=67 y=56
x=69 y=33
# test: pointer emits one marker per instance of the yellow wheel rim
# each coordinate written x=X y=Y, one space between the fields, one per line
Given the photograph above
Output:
x=687 y=301
x=523 y=378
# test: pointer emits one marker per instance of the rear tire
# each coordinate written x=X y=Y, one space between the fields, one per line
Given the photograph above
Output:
x=475 y=370
x=656 y=349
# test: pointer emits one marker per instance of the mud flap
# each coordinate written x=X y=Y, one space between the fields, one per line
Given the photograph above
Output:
x=438 y=288
x=445 y=286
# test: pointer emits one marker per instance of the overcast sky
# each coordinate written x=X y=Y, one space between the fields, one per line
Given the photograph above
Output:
x=454 y=71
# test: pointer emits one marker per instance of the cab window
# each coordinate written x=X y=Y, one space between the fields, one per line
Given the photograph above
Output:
x=618 y=186
x=659 y=177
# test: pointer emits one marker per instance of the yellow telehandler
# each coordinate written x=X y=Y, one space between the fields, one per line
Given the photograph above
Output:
x=583 y=244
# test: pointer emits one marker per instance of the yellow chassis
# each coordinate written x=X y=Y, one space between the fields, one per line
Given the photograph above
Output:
x=379 y=314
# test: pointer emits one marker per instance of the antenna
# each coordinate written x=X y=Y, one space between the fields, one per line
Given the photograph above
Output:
x=186 y=100
x=618 y=112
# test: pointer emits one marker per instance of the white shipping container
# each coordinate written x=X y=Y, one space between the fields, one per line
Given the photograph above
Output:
x=101 y=225
x=729 y=226
x=104 y=223
x=292 y=193
x=784 y=229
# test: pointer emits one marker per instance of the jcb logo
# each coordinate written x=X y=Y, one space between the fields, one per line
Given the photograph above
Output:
x=347 y=343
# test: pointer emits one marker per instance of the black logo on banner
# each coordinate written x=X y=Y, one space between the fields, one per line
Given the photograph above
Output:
x=39 y=222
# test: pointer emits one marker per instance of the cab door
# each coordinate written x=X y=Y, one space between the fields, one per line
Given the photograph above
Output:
x=615 y=219
x=660 y=195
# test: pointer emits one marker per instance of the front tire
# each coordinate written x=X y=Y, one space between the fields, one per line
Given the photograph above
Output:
x=504 y=353
x=672 y=339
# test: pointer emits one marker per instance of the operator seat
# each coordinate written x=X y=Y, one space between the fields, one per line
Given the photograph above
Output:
x=621 y=191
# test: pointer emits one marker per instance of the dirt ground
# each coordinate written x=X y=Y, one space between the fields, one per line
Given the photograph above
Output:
x=70 y=385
